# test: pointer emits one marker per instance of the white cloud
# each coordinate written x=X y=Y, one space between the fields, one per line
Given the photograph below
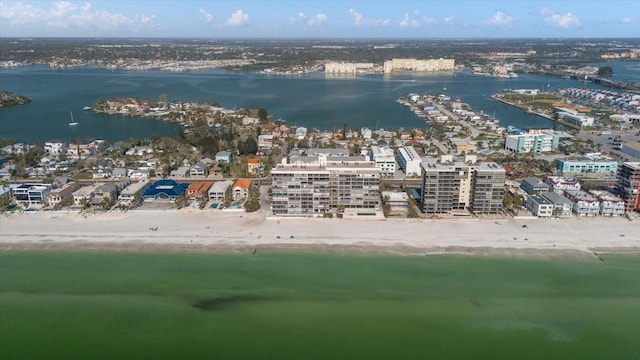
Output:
x=357 y=17
x=207 y=17
x=409 y=22
x=546 y=12
x=449 y=20
x=301 y=16
x=317 y=20
x=429 y=21
x=564 y=21
x=628 y=20
x=500 y=19
x=66 y=15
x=238 y=18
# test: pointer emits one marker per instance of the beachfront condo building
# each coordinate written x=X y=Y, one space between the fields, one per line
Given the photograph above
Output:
x=487 y=188
x=629 y=185
x=453 y=187
x=320 y=187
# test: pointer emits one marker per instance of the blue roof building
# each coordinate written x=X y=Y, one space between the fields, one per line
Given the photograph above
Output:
x=165 y=190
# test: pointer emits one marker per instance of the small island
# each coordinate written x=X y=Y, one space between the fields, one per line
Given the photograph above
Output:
x=8 y=99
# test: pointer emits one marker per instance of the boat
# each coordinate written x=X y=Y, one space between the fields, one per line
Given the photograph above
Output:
x=86 y=108
x=73 y=123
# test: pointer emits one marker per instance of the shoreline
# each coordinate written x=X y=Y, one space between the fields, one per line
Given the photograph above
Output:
x=242 y=233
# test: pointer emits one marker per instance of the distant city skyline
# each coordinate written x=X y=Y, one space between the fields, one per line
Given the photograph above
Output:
x=321 y=19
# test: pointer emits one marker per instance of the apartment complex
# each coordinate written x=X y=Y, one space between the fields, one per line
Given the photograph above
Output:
x=531 y=143
x=629 y=185
x=409 y=160
x=418 y=65
x=384 y=159
x=324 y=186
x=460 y=186
x=590 y=163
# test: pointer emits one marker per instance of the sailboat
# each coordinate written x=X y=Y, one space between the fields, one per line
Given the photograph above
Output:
x=73 y=123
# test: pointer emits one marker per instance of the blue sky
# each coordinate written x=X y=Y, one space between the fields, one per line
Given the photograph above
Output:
x=328 y=18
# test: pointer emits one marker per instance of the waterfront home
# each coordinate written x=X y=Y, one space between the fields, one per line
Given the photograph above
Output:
x=85 y=194
x=533 y=185
x=164 y=191
x=198 y=189
x=132 y=192
x=104 y=191
x=5 y=171
x=224 y=156
x=584 y=204
x=55 y=147
x=31 y=194
x=16 y=149
x=139 y=150
x=610 y=204
x=561 y=205
x=220 y=190
x=539 y=206
x=301 y=133
x=57 y=196
x=366 y=133
x=241 y=189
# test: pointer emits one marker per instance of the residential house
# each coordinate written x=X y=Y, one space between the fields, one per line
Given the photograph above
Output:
x=241 y=189
x=366 y=133
x=610 y=204
x=539 y=206
x=301 y=133
x=561 y=205
x=584 y=204
x=132 y=192
x=102 y=173
x=85 y=194
x=140 y=174
x=199 y=169
x=254 y=166
x=534 y=185
x=181 y=172
x=265 y=143
x=220 y=190
x=165 y=191
x=17 y=148
x=104 y=191
x=198 y=189
x=224 y=156
x=31 y=194
x=59 y=195
x=120 y=173
x=559 y=184
x=55 y=147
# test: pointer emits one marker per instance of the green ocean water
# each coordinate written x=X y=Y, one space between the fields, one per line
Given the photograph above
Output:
x=108 y=305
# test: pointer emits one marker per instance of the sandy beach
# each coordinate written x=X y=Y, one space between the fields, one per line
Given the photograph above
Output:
x=242 y=232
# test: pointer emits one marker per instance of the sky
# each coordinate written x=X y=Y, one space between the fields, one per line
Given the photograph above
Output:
x=321 y=19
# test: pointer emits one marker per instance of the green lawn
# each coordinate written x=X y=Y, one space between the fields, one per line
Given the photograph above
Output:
x=103 y=305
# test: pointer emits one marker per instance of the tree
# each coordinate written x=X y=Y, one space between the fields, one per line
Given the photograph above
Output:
x=386 y=207
x=253 y=202
x=605 y=71
x=263 y=115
